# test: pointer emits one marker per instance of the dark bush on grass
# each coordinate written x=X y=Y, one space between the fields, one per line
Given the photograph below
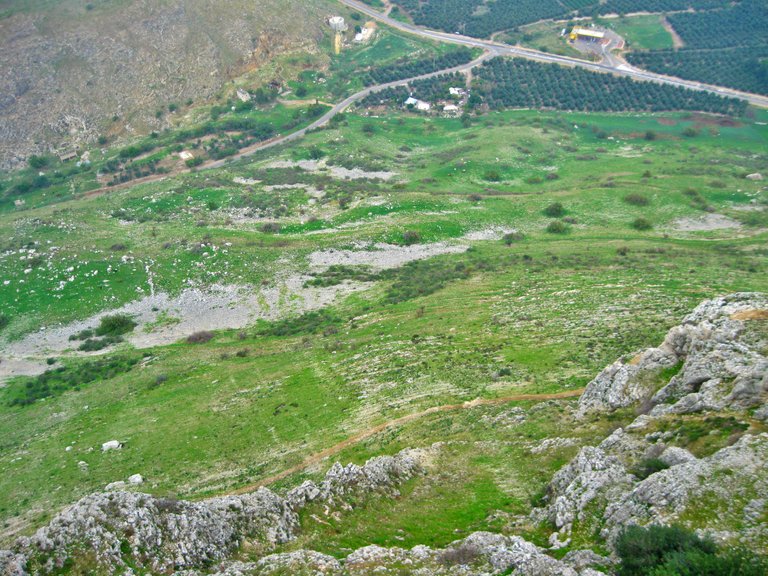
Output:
x=512 y=237
x=94 y=344
x=270 y=228
x=554 y=210
x=636 y=199
x=558 y=227
x=56 y=381
x=411 y=237
x=675 y=551
x=115 y=325
x=200 y=337
x=4 y=320
x=642 y=224
x=308 y=323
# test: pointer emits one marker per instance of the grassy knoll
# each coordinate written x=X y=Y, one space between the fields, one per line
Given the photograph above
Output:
x=540 y=313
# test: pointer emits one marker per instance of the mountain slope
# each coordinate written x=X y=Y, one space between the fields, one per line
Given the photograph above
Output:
x=70 y=71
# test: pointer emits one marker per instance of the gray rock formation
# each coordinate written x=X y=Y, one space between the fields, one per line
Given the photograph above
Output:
x=723 y=364
x=118 y=529
x=723 y=368
x=479 y=554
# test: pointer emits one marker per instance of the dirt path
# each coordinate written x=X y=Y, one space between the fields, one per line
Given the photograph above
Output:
x=677 y=42
x=365 y=434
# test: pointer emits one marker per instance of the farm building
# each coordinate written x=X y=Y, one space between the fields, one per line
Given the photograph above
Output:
x=587 y=35
x=418 y=104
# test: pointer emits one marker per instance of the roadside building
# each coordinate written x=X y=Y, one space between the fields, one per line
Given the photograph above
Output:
x=417 y=104
x=587 y=35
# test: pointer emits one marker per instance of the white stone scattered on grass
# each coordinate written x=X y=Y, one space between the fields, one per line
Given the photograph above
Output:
x=111 y=445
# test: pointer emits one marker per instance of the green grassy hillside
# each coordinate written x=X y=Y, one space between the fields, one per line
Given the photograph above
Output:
x=655 y=215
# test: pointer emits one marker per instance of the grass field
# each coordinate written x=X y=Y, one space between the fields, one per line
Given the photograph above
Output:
x=542 y=313
x=641 y=32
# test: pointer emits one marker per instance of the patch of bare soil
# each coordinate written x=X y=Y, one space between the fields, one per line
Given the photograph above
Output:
x=336 y=171
x=750 y=315
x=381 y=256
x=163 y=319
x=677 y=42
x=706 y=223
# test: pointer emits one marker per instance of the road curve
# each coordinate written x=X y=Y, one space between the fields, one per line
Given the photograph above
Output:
x=531 y=54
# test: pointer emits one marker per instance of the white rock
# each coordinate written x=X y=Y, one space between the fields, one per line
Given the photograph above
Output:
x=135 y=479
x=111 y=445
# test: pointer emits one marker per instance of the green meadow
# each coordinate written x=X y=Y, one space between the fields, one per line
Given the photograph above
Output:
x=525 y=307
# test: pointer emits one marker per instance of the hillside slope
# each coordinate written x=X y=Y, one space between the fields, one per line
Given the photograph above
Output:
x=70 y=71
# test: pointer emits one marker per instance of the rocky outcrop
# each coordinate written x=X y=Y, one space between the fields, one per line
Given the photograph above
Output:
x=479 y=554
x=722 y=368
x=382 y=474
x=119 y=529
x=723 y=364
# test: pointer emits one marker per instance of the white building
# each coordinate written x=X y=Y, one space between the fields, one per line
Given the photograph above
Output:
x=418 y=104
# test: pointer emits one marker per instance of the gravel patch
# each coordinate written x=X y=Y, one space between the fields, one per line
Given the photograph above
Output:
x=336 y=171
x=382 y=256
x=193 y=310
x=706 y=223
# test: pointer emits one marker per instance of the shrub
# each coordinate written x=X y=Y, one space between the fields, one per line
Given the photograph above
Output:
x=492 y=175
x=200 y=337
x=636 y=199
x=115 y=324
x=55 y=381
x=411 y=237
x=649 y=466
x=675 y=551
x=557 y=227
x=642 y=224
x=554 y=210
x=512 y=237
x=462 y=554
x=4 y=320
x=270 y=228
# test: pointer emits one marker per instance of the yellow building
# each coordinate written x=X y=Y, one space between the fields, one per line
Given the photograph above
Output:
x=587 y=34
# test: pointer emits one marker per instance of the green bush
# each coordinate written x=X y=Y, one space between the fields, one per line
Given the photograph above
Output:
x=512 y=237
x=115 y=325
x=4 y=320
x=308 y=323
x=558 y=227
x=554 y=210
x=636 y=199
x=649 y=466
x=675 y=551
x=25 y=391
x=642 y=224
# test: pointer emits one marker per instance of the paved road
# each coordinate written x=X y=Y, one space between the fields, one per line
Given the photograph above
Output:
x=343 y=105
x=498 y=48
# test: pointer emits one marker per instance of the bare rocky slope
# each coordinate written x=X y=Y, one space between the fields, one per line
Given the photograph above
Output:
x=67 y=69
x=710 y=370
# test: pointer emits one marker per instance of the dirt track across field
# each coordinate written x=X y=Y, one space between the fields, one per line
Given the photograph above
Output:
x=365 y=434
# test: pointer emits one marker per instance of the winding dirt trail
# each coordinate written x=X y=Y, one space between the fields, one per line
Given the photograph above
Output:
x=365 y=434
